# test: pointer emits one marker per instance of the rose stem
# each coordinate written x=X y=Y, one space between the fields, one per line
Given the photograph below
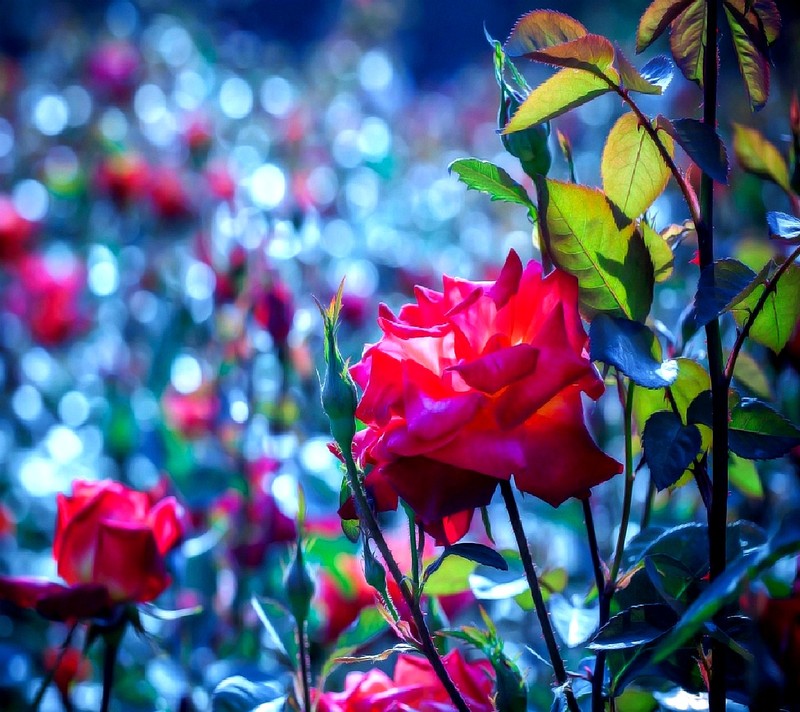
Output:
x=48 y=678
x=112 y=640
x=604 y=594
x=648 y=505
x=536 y=592
x=627 y=497
x=305 y=672
x=367 y=519
x=718 y=516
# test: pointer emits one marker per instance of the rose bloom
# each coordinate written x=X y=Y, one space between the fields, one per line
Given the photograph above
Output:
x=413 y=688
x=110 y=546
x=477 y=383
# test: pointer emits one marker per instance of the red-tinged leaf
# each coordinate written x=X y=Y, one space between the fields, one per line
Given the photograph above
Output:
x=632 y=79
x=563 y=91
x=757 y=155
x=655 y=20
x=541 y=29
x=687 y=40
x=592 y=53
x=752 y=60
x=634 y=173
x=760 y=15
x=702 y=144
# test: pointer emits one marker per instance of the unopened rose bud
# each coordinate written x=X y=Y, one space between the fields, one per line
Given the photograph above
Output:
x=299 y=585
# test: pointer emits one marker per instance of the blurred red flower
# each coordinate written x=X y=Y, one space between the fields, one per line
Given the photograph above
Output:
x=72 y=667
x=123 y=177
x=475 y=384
x=15 y=231
x=113 y=68
x=168 y=194
x=191 y=414
x=110 y=547
x=414 y=686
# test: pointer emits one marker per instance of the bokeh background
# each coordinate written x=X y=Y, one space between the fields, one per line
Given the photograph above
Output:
x=178 y=182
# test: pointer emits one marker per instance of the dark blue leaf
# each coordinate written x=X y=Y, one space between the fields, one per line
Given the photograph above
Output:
x=634 y=627
x=785 y=226
x=628 y=346
x=658 y=71
x=757 y=432
x=702 y=143
x=721 y=286
x=669 y=447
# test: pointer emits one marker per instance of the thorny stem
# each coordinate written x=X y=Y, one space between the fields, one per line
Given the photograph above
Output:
x=604 y=594
x=770 y=286
x=367 y=519
x=48 y=678
x=627 y=497
x=536 y=591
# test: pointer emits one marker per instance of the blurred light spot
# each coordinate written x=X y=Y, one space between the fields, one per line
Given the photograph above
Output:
x=142 y=473
x=149 y=103
x=315 y=457
x=668 y=299
x=200 y=281
x=235 y=98
x=121 y=18
x=362 y=276
x=31 y=199
x=63 y=444
x=113 y=124
x=239 y=411
x=37 y=365
x=682 y=701
x=50 y=115
x=103 y=274
x=186 y=374
x=374 y=139
x=144 y=405
x=361 y=190
x=445 y=199
x=73 y=408
x=284 y=490
x=144 y=306
x=17 y=667
x=190 y=90
x=37 y=475
x=61 y=165
x=79 y=102
x=285 y=242
x=375 y=70
x=345 y=148
x=27 y=402
x=175 y=46
x=163 y=131
x=338 y=238
x=322 y=185
x=277 y=96
x=267 y=186
x=6 y=137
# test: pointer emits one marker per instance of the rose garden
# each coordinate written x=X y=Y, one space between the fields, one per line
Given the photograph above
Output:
x=326 y=391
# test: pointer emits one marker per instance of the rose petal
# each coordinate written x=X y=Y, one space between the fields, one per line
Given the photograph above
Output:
x=166 y=520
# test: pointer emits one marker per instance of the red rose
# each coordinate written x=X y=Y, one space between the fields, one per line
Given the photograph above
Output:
x=413 y=687
x=475 y=384
x=123 y=177
x=193 y=414
x=110 y=544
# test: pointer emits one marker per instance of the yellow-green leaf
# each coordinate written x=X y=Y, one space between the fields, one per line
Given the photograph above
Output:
x=776 y=321
x=687 y=40
x=661 y=254
x=750 y=374
x=582 y=235
x=752 y=63
x=632 y=79
x=542 y=28
x=591 y=53
x=744 y=477
x=634 y=174
x=655 y=20
x=757 y=155
x=563 y=91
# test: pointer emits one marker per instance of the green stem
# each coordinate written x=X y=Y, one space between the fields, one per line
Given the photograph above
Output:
x=367 y=519
x=604 y=594
x=770 y=286
x=112 y=640
x=48 y=678
x=627 y=498
x=305 y=667
x=536 y=591
x=414 y=547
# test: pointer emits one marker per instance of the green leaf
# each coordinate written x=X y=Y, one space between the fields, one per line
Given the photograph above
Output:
x=478 y=553
x=725 y=588
x=450 y=576
x=655 y=19
x=743 y=475
x=753 y=64
x=611 y=263
x=634 y=173
x=721 y=286
x=591 y=53
x=692 y=380
x=784 y=226
x=661 y=254
x=632 y=78
x=750 y=374
x=541 y=29
x=634 y=626
x=492 y=180
x=563 y=91
x=775 y=323
x=687 y=40
x=631 y=348
x=757 y=432
x=759 y=156
x=669 y=447
x=701 y=143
